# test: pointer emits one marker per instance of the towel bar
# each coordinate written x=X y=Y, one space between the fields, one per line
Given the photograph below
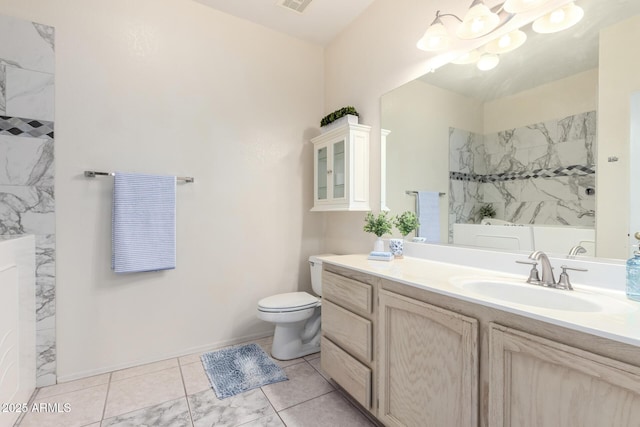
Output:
x=409 y=192
x=93 y=174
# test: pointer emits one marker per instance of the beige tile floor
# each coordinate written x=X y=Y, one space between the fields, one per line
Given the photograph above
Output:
x=176 y=392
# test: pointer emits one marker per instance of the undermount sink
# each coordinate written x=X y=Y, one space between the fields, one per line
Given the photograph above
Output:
x=539 y=296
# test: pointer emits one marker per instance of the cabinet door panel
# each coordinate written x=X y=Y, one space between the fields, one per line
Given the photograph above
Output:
x=428 y=364
x=537 y=382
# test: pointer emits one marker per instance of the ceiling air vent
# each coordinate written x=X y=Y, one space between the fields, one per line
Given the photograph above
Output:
x=295 y=5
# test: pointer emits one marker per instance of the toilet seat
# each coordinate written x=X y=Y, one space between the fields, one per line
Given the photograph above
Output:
x=288 y=302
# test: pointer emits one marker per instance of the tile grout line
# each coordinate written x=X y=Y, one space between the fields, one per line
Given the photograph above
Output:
x=272 y=407
x=186 y=396
x=106 y=398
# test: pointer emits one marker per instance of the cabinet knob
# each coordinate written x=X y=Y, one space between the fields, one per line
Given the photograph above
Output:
x=329 y=171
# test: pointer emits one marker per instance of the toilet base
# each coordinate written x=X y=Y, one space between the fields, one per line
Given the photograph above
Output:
x=288 y=342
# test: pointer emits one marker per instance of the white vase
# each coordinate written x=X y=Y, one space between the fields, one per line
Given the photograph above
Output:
x=378 y=246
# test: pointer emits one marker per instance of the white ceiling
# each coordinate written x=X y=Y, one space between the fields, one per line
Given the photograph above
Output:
x=320 y=23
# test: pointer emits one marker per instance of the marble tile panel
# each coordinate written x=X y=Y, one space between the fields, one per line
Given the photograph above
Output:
x=577 y=126
x=542 y=189
x=45 y=357
x=329 y=410
x=85 y=407
x=144 y=369
x=568 y=212
x=591 y=143
x=174 y=413
x=29 y=94
x=573 y=152
x=539 y=134
x=27 y=44
x=142 y=391
x=207 y=410
x=27 y=161
x=304 y=383
x=45 y=282
x=579 y=185
x=81 y=384
x=3 y=90
x=195 y=379
x=268 y=421
x=27 y=210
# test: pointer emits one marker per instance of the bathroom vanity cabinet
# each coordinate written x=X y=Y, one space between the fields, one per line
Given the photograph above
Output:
x=348 y=322
x=441 y=360
x=341 y=169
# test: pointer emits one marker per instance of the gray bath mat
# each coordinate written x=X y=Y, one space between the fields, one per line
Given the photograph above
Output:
x=237 y=369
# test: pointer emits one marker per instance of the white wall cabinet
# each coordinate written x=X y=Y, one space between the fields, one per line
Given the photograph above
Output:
x=341 y=169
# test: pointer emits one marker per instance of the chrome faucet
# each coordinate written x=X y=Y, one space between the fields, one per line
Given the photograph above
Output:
x=577 y=250
x=590 y=212
x=547 y=278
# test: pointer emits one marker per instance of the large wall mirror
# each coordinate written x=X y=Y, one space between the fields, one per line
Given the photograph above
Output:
x=525 y=139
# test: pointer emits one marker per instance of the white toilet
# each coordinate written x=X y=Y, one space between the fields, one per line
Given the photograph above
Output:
x=297 y=318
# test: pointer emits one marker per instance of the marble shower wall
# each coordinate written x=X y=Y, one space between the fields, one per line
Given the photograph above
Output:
x=536 y=174
x=27 y=170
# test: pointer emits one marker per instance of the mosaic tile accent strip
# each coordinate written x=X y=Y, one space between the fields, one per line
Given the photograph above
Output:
x=26 y=127
x=573 y=170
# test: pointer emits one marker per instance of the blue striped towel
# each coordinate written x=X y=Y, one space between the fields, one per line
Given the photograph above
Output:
x=143 y=223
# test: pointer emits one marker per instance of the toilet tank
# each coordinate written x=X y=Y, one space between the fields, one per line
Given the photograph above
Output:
x=315 y=263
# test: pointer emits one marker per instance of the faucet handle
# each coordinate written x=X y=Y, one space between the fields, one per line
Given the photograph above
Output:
x=563 y=280
x=534 y=277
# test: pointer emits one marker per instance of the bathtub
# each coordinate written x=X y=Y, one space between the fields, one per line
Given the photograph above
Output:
x=513 y=237
x=17 y=326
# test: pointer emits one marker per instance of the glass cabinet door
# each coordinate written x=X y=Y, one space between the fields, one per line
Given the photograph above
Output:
x=339 y=168
x=322 y=173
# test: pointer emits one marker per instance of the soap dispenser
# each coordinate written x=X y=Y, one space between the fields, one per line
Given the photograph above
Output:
x=633 y=273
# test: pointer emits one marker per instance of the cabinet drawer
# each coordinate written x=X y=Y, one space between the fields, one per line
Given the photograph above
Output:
x=352 y=375
x=350 y=331
x=348 y=293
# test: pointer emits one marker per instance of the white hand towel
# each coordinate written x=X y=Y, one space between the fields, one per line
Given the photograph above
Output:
x=143 y=223
x=429 y=215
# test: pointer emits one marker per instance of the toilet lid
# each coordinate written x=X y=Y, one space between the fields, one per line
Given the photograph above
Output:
x=288 y=302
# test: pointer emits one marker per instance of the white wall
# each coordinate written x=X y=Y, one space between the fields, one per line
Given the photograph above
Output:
x=176 y=87
x=619 y=78
x=562 y=98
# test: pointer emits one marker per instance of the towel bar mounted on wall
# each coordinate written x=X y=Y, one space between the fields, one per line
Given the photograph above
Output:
x=93 y=174
x=413 y=193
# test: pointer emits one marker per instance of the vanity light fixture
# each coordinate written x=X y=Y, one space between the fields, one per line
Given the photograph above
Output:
x=506 y=43
x=478 y=21
x=436 y=37
x=558 y=20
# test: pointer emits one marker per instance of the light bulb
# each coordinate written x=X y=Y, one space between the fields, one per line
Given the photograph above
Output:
x=557 y=16
x=558 y=20
x=488 y=62
x=505 y=41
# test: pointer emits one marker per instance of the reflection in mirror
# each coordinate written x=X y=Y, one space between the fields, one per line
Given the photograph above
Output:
x=520 y=139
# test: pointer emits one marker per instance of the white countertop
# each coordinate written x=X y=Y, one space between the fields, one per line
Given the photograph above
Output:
x=620 y=325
